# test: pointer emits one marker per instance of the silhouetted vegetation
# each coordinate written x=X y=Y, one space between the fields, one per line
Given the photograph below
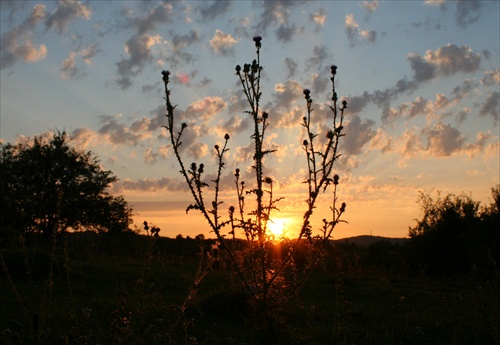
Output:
x=269 y=281
x=455 y=235
x=129 y=289
x=49 y=187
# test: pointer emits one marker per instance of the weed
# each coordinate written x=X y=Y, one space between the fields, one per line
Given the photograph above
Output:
x=270 y=281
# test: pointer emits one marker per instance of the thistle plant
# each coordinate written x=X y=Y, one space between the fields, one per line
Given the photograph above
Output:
x=269 y=280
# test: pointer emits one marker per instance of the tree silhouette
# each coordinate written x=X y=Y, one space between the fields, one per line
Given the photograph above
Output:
x=49 y=187
x=455 y=234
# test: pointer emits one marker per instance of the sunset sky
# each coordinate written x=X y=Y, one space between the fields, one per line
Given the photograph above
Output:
x=421 y=79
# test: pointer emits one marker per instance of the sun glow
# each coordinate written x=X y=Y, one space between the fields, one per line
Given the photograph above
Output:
x=277 y=227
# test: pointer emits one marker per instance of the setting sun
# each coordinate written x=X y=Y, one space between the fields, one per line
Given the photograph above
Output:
x=277 y=227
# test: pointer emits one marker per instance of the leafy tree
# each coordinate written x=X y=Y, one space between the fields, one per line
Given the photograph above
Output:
x=49 y=186
x=454 y=235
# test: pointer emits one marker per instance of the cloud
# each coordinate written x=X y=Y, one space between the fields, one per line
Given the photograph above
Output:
x=222 y=44
x=12 y=50
x=233 y=125
x=162 y=14
x=117 y=132
x=149 y=185
x=443 y=139
x=211 y=11
x=445 y=61
x=371 y=5
x=491 y=77
x=479 y=146
x=284 y=96
x=358 y=133
x=467 y=12
x=354 y=32
x=319 y=18
x=291 y=66
x=409 y=145
x=320 y=82
x=491 y=106
x=138 y=48
x=319 y=57
x=151 y=157
x=197 y=150
x=204 y=109
x=285 y=33
x=69 y=70
x=65 y=13
x=276 y=13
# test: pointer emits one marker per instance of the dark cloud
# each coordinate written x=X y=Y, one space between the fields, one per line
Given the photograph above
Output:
x=291 y=67
x=162 y=14
x=274 y=13
x=491 y=106
x=210 y=11
x=138 y=47
x=285 y=33
x=118 y=132
x=320 y=82
x=359 y=132
x=443 y=139
x=445 y=61
x=65 y=13
x=319 y=57
x=467 y=12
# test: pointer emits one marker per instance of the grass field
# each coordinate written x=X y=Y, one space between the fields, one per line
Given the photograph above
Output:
x=129 y=290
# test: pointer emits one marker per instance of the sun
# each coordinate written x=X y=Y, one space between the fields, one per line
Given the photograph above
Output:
x=277 y=227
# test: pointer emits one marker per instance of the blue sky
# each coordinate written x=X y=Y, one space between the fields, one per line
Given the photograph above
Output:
x=421 y=79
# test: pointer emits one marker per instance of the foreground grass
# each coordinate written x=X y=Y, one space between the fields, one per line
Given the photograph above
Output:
x=129 y=289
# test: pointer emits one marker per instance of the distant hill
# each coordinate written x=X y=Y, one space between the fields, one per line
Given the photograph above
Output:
x=366 y=240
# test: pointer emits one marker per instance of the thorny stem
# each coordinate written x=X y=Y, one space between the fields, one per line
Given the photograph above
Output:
x=262 y=273
x=176 y=144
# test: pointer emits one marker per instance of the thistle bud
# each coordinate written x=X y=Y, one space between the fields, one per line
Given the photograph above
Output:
x=165 y=76
x=216 y=147
x=226 y=136
x=336 y=179
x=329 y=134
x=333 y=69
x=305 y=143
x=342 y=208
x=257 y=40
x=184 y=125
x=265 y=115
x=238 y=69
x=268 y=180
x=344 y=103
